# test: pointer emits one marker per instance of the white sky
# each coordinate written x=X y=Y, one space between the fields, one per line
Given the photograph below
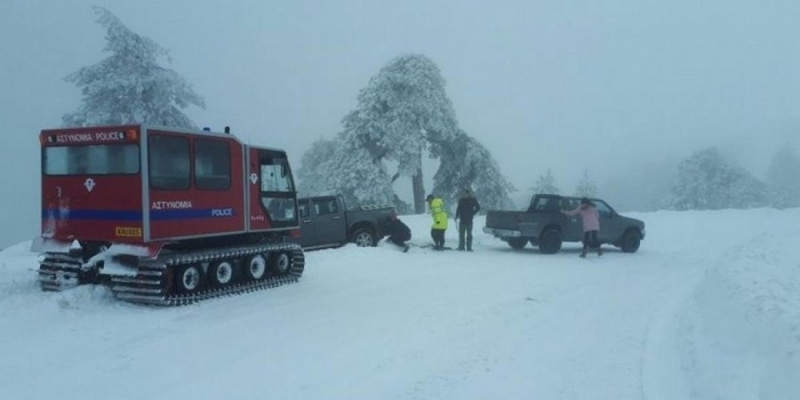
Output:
x=604 y=85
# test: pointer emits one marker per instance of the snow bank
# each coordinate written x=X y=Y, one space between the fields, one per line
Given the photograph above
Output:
x=741 y=328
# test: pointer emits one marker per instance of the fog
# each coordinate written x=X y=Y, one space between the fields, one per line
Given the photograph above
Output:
x=615 y=87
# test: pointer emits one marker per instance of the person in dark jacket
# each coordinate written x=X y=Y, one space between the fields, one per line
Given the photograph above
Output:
x=399 y=232
x=467 y=208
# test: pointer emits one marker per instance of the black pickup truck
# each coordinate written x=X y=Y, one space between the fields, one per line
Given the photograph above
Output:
x=545 y=226
x=326 y=222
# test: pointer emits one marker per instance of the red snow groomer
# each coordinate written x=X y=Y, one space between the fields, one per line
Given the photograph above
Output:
x=164 y=216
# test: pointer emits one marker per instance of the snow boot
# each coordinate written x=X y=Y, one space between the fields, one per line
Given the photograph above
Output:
x=583 y=254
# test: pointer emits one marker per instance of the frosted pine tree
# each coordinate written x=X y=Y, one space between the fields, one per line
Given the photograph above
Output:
x=466 y=164
x=357 y=175
x=130 y=86
x=707 y=182
x=546 y=184
x=586 y=188
x=403 y=110
x=313 y=176
x=782 y=177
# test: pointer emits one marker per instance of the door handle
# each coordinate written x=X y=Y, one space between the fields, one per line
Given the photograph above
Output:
x=306 y=220
x=337 y=217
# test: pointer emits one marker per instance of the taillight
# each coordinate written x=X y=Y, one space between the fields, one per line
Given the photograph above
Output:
x=295 y=233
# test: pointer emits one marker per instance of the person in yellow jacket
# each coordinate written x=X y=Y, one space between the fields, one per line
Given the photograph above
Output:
x=439 y=215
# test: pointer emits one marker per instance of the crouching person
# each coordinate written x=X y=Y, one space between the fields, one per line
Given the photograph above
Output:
x=399 y=232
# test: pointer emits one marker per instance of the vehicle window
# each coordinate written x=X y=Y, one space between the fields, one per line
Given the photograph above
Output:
x=569 y=204
x=105 y=159
x=275 y=178
x=546 y=203
x=326 y=206
x=169 y=162
x=602 y=208
x=280 y=209
x=212 y=164
x=303 y=210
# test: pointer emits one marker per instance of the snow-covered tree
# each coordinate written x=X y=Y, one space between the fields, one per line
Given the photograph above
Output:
x=130 y=86
x=782 y=178
x=546 y=184
x=403 y=111
x=359 y=176
x=466 y=164
x=313 y=176
x=585 y=188
x=707 y=182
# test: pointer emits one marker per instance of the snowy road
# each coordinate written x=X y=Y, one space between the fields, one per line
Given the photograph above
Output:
x=380 y=324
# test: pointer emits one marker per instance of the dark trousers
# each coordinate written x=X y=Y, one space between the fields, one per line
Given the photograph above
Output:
x=399 y=239
x=438 y=238
x=590 y=240
x=465 y=232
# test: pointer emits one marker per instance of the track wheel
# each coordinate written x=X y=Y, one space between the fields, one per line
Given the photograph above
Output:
x=281 y=263
x=220 y=273
x=189 y=278
x=256 y=268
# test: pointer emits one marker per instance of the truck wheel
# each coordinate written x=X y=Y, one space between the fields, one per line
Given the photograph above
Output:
x=630 y=241
x=518 y=243
x=255 y=268
x=220 y=273
x=363 y=237
x=550 y=242
x=281 y=263
x=189 y=278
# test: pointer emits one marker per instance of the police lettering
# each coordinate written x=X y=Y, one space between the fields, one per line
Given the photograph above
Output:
x=222 y=212
x=89 y=137
x=171 y=205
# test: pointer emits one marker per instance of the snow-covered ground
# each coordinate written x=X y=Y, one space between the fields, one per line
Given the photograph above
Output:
x=709 y=308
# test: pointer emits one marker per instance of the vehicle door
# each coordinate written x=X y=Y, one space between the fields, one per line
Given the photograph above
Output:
x=572 y=228
x=611 y=225
x=307 y=231
x=330 y=225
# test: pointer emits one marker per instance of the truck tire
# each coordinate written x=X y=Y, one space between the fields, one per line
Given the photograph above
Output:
x=518 y=243
x=221 y=273
x=189 y=278
x=550 y=241
x=364 y=237
x=630 y=241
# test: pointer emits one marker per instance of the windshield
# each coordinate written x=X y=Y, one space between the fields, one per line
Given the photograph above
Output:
x=102 y=159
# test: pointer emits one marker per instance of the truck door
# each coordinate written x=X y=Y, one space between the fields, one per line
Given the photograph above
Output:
x=572 y=229
x=328 y=220
x=610 y=225
x=272 y=197
x=307 y=232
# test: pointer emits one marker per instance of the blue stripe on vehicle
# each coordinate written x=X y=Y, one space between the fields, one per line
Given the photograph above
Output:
x=166 y=215
x=93 y=215
x=129 y=215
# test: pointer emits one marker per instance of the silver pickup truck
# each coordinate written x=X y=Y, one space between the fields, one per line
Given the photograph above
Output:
x=326 y=222
x=545 y=226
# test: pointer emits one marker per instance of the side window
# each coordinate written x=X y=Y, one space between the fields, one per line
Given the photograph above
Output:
x=569 y=204
x=212 y=164
x=303 y=210
x=602 y=208
x=274 y=178
x=325 y=206
x=169 y=162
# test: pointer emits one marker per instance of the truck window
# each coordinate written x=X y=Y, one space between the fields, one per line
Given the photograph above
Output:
x=169 y=162
x=212 y=164
x=105 y=159
x=303 y=207
x=602 y=208
x=326 y=206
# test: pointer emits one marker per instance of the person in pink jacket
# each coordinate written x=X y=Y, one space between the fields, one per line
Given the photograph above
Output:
x=591 y=225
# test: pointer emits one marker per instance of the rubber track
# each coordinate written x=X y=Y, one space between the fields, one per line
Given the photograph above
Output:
x=151 y=282
x=59 y=271
x=149 y=285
